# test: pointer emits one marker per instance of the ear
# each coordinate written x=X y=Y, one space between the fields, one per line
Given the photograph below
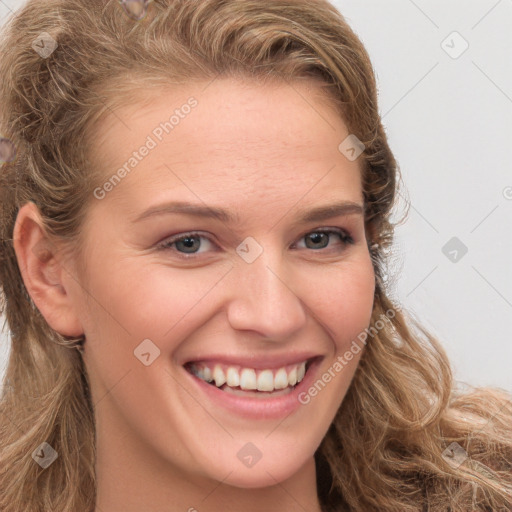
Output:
x=44 y=276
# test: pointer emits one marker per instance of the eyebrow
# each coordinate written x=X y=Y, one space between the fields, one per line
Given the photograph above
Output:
x=317 y=214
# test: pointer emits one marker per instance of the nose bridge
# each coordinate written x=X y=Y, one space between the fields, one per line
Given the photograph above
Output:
x=263 y=299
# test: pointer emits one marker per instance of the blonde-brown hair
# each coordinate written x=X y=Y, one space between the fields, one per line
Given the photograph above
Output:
x=384 y=449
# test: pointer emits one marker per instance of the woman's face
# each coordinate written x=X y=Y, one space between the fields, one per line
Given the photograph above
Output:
x=248 y=294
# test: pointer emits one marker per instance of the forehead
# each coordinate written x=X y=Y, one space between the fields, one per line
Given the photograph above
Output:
x=228 y=135
x=227 y=110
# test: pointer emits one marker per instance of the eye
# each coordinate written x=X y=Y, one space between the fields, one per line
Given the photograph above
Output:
x=320 y=239
x=188 y=244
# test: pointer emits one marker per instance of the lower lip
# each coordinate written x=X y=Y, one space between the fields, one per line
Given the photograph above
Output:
x=255 y=407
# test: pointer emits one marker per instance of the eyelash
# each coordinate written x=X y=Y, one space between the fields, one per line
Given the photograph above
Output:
x=166 y=245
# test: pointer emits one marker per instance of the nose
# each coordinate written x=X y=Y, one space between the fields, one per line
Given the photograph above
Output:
x=265 y=299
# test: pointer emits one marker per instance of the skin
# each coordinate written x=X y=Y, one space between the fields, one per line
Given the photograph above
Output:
x=266 y=152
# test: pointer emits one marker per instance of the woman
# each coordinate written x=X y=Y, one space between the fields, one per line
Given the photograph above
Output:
x=195 y=229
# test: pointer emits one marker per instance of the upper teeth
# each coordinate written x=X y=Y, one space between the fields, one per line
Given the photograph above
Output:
x=248 y=378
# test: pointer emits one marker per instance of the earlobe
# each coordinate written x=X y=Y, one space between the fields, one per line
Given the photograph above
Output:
x=43 y=272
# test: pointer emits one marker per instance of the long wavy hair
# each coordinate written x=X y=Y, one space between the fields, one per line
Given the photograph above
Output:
x=386 y=449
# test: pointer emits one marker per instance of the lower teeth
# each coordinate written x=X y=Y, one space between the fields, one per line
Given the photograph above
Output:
x=239 y=391
x=255 y=392
x=225 y=387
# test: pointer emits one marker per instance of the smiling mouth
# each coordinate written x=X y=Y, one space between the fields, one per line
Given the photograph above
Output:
x=249 y=381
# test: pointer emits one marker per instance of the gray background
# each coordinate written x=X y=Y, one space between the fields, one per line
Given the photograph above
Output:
x=448 y=116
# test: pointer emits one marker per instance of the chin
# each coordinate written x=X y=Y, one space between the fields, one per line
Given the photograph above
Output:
x=266 y=472
x=268 y=476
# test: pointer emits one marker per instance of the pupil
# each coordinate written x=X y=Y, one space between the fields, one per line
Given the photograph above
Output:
x=317 y=237
x=188 y=242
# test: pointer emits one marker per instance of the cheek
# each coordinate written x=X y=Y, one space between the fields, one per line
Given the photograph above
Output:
x=169 y=302
x=137 y=300
x=342 y=300
x=343 y=308
x=150 y=300
x=134 y=301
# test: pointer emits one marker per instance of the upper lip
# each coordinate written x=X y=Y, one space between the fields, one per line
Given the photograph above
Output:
x=257 y=362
